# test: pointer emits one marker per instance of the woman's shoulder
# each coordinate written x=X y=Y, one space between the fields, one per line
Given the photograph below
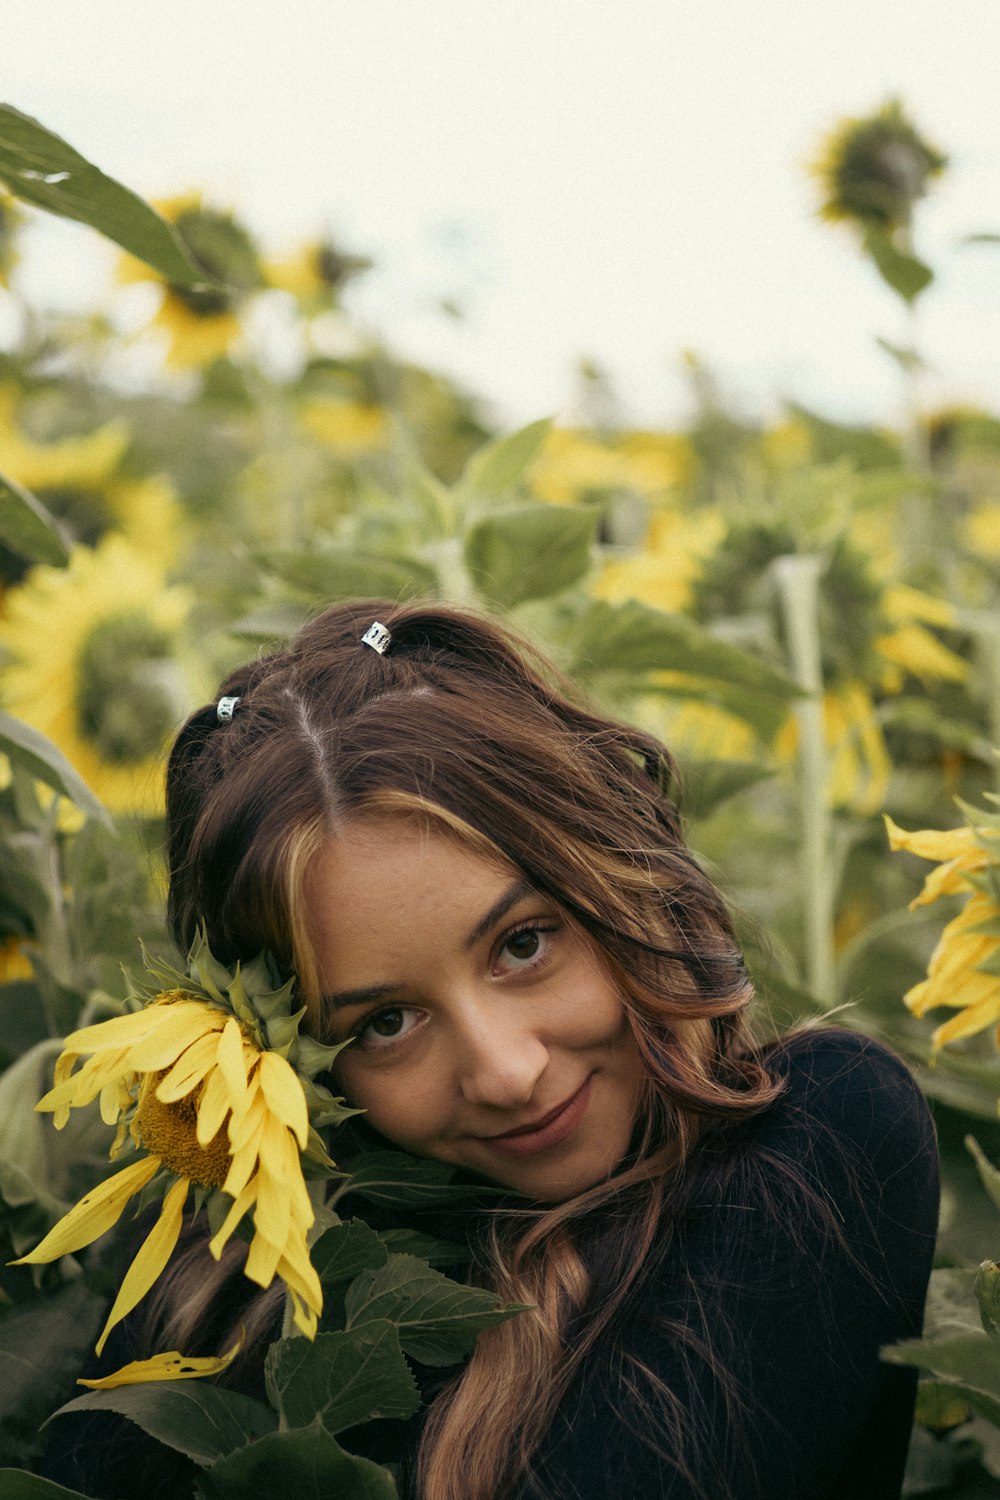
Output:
x=853 y=1129
x=852 y=1084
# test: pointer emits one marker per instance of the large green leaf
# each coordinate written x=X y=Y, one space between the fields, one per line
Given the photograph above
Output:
x=27 y=528
x=43 y=1345
x=43 y=169
x=347 y=574
x=500 y=466
x=26 y=747
x=634 y=637
x=203 y=1421
x=969 y=1361
x=18 y=1484
x=306 y=1463
x=399 y=1181
x=437 y=1318
x=529 y=553
x=341 y=1379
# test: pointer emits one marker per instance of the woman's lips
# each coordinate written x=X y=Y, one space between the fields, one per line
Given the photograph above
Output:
x=548 y=1131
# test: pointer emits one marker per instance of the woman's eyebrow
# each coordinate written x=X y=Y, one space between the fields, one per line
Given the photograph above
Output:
x=348 y=998
x=514 y=893
x=511 y=896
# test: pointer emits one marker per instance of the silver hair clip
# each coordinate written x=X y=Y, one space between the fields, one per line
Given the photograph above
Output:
x=377 y=637
x=225 y=708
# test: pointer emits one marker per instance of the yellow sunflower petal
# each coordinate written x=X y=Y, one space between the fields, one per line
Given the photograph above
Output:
x=95 y=1213
x=116 y=1032
x=213 y=1106
x=232 y=1066
x=176 y=1028
x=985 y=1012
x=245 y=1201
x=262 y=1262
x=153 y=1255
x=172 y=1366
x=934 y=843
x=284 y=1096
x=189 y=1069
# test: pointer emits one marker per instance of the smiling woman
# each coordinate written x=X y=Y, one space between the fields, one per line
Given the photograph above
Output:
x=482 y=890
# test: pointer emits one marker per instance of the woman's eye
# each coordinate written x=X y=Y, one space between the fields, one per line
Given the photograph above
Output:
x=386 y=1026
x=524 y=947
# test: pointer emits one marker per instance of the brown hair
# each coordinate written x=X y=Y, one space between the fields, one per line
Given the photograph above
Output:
x=462 y=724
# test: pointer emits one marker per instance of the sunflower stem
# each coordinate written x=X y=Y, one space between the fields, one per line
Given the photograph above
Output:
x=798 y=586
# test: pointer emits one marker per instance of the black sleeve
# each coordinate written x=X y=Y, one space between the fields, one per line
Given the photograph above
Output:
x=747 y=1367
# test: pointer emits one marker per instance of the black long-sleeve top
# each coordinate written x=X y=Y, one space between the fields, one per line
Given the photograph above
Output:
x=793 y=1301
x=745 y=1364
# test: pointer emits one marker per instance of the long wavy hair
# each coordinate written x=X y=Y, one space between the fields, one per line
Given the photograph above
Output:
x=463 y=725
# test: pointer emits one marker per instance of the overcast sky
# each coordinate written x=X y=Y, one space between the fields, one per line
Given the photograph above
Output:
x=616 y=180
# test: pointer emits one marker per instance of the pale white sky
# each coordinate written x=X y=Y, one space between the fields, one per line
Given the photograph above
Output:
x=615 y=179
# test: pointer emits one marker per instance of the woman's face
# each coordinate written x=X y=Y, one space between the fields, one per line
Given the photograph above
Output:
x=487 y=1030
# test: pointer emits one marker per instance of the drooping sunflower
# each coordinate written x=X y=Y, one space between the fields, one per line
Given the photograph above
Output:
x=872 y=171
x=964 y=971
x=213 y=1085
x=94 y=666
x=202 y=323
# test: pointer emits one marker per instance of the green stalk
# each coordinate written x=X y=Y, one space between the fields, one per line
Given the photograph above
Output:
x=798 y=586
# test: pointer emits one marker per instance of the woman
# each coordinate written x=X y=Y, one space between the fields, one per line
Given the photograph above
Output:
x=485 y=886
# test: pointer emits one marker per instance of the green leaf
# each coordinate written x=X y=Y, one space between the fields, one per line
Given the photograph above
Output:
x=438 y=1319
x=904 y=273
x=18 y=1484
x=398 y=1181
x=306 y=1463
x=27 y=528
x=43 y=169
x=43 y=1346
x=204 y=1421
x=27 y=748
x=348 y=574
x=341 y=1379
x=988 y=1174
x=969 y=1361
x=627 y=641
x=424 y=1247
x=907 y=359
x=706 y=784
x=345 y=1249
x=499 y=466
x=529 y=553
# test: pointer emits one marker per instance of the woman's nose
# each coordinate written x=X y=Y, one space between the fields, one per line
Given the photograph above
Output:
x=500 y=1064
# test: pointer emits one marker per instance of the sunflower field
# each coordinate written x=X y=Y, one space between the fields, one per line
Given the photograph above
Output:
x=808 y=613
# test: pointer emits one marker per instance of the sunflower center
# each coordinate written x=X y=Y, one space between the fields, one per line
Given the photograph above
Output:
x=168 y=1131
x=125 y=699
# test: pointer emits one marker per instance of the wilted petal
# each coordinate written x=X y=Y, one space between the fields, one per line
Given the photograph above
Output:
x=976 y=1017
x=151 y=1258
x=213 y=1107
x=172 y=1366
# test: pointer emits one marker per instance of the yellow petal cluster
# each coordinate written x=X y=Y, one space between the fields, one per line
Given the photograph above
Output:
x=210 y=1107
x=954 y=976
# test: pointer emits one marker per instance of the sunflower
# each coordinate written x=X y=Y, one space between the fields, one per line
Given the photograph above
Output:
x=859 y=764
x=94 y=665
x=872 y=171
x=202 y=323
x=964 y=971
x=315 y=274
x=213 y=1085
